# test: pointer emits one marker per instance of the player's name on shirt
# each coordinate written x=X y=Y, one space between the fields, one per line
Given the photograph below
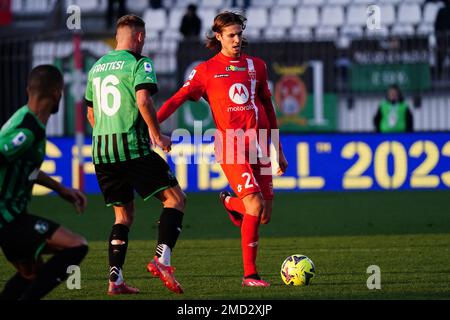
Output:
x=115 y=65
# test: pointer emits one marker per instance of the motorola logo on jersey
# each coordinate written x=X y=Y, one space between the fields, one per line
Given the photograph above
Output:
x=238 y=93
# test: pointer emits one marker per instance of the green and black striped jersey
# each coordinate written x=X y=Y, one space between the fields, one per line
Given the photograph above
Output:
x=120 y=133
x=22 y=150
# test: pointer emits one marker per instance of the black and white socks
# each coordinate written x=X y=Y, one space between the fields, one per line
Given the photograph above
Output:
x=170 y=225
x=118 y=245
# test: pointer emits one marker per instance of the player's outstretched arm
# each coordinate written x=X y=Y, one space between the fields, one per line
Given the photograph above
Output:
x=193 y=89
x=172 y=104
x=74 y=196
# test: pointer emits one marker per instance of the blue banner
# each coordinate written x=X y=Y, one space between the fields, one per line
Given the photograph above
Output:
x=331 y=162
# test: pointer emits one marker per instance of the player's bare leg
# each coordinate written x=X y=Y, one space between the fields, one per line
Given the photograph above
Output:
x=118 y=245
x=62 y=239
x=170 y=224
x=236 y=209
x=254 y=205
x=35 y=279
x=267 y=212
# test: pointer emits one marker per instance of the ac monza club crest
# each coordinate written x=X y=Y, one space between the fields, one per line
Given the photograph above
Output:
x=238 y=93
x=290 y=95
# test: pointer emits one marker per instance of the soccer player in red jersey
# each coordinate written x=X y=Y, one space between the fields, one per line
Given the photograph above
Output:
x=236 y=87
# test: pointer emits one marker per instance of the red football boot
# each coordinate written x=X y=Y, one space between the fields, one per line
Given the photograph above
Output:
x=235 y=217
x=250 y=282
x=165 y=273
x=122 y=288
x=153 y=269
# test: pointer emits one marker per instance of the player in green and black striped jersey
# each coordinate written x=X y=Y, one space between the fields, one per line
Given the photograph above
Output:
x=119 y=133
x=121 y=112
x=24 y=237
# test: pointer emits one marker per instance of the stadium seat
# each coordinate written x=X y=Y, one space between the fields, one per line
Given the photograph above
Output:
x=169 y=45
x=281 y=17
x=409 y=13
x=212 y=4
x=233 y=9
x=351 y=31
x=137 y=6
x=402 y=29
x=307 y=17
x=155 y=20
x=184 y=3
x=357 y=118
x=16 y=6
x=252 y=33
x=393 y=2
x=275 y=33
x=37 y=6
x=262 y=3
x=425 y=28
x=168 y=4
x=152 y=35
x=340 y=2
x=152 y=43
x=357 y=15
x=332 y=16
x=207 y=16
x=387 y=15
x=326 y=32
x=435 y=116
x=287 y=3
x=164 y=63
x=257 y=18
x=171 y=34
x=415 y=1
x=175 y=16
x=313 y=2
x=377 y=33
x=300 y=33
x=365 y=2
x=89 y=5
x=430 y=11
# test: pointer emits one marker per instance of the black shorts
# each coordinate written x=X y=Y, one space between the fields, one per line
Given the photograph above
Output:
x=23 y=239
x=146 y=175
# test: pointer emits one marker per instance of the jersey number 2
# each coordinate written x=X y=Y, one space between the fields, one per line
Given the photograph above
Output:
x=248 y=183
x=104 y=88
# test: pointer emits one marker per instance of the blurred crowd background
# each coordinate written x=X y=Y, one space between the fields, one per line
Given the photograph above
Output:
x=330 y=62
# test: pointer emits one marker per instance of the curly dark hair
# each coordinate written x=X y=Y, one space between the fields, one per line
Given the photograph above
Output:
x=221 y=21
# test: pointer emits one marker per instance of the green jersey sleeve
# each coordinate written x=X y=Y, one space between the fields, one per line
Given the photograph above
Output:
x=145 y=76
x=14 y=143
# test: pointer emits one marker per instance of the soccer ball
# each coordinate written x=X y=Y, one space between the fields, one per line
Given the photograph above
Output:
x=297 y=270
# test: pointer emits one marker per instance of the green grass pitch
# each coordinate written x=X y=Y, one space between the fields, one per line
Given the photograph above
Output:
x=407 y=234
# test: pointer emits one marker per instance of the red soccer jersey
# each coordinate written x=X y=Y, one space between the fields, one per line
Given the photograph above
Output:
x=234 y=89
x=226 y=83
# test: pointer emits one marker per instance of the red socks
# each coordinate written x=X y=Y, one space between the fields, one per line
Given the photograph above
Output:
x=235 y=204
x=249 y=242
x=236 y=209
x=249 y=233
